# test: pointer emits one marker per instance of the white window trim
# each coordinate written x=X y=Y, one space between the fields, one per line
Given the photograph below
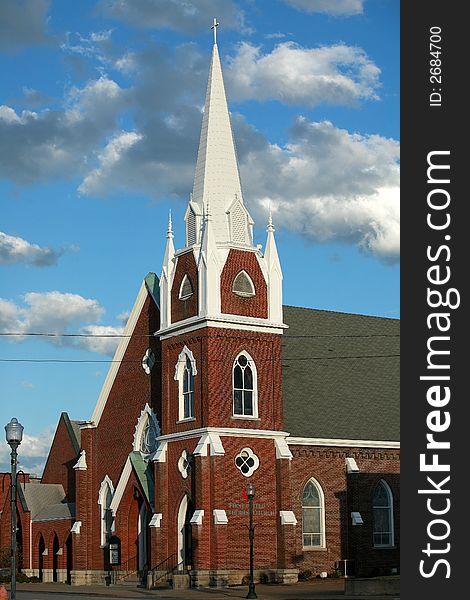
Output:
x=244 y=294
x=322 y=507
x=180 y=293
x=254 y=371
x=388 y=489
x=179 y=371
x=145 y=415
x=252 y=455
x=105 y=485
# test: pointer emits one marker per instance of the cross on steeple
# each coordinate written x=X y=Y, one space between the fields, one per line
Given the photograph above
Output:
x=214 y=27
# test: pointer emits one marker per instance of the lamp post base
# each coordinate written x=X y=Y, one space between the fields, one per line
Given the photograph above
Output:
x=251 y=592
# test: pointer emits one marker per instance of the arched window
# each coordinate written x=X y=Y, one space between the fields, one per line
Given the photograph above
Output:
x=244 y=386
x=104 y=500
x=186 y=288
x=382 y=507
x=146 y=433
x=188 y=390
x=185 y=371
x=243 y=285
x=313 y=515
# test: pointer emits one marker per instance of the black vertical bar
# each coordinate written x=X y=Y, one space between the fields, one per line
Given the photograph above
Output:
x=434 y=80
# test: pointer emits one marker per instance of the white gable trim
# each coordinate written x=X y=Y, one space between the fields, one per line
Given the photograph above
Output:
x=121 y=486
x=119 y=354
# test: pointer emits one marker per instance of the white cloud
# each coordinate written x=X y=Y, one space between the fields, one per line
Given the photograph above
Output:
x=330 y=185
x=58 y=143
x=56 y=313
x=16 y=250
x=22 y=23
x=102 y=345
x=339 y=74
x=335 y=8
x=189 y=16
x=108 y=159
x=32 y=453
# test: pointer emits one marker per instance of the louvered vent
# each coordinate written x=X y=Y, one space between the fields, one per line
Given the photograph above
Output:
x=242 y=285
x=186 y=289
x=238 y=222
x=191 y=229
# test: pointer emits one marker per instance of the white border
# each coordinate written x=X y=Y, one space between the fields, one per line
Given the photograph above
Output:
x=119 y=354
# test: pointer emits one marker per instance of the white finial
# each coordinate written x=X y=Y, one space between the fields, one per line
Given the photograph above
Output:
x=207 y=214
x=214 y=27
x=170 y=225
x=270 y=219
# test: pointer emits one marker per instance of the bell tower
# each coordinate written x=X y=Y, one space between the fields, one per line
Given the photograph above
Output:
x=221 y=331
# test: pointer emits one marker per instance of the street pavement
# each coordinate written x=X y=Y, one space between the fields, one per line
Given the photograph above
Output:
x=319 y=590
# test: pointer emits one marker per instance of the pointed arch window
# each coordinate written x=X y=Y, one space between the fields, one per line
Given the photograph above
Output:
x=243 y=285
x=186 y=288
x=104 y=500
x=147 y=431
x=313 y=515
x=245 y=397
x=382 y=508
x=185 y=372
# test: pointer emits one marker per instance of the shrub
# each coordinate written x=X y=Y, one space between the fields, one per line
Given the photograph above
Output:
x=305 y=575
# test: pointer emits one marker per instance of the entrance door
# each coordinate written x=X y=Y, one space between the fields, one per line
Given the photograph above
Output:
x=184 y=534
x=142 y=545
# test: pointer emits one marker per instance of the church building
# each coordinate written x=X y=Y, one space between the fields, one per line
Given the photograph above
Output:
x=215 y=384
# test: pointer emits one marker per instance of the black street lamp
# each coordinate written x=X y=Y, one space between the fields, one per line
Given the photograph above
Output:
x=250 y=492
x=14 y=435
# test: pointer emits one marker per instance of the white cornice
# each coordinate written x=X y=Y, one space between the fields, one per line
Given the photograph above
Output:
x=304 y=441
x=223 y=432
x=223 y=321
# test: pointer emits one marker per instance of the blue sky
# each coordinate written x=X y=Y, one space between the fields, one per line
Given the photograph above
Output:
x=100 y=111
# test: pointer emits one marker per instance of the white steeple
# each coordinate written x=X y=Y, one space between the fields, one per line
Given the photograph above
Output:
x=217 y=179
x=166 y=277
x=209 y=269
x=274 y=273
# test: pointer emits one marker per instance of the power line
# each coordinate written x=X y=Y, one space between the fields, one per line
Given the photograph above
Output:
x=151 y=335
x=298 y=358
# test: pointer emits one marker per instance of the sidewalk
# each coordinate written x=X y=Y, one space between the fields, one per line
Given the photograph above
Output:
x=317 y=589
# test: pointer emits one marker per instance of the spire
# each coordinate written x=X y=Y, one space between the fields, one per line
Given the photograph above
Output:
x=167 y=276
x=217 y=178
x=169 y=234
x=273 y=265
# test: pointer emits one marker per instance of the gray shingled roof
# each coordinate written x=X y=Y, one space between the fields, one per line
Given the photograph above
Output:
x=76 y=431
x=62 y=510
x=46 y=501
x=340 y=375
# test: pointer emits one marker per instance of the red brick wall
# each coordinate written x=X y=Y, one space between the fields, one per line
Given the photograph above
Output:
x=215 y=351
x=108 y=445
x=254 y=306
x=48 y=529
x=61 y=459
x=182 y=309
x=327 y=466
x=215 y=482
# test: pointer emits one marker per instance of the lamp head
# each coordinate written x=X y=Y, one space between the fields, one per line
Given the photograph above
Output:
x=14 y=432
x=250 y=490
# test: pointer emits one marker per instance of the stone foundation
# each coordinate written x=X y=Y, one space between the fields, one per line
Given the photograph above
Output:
x=88 y=577
x=225 y=578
